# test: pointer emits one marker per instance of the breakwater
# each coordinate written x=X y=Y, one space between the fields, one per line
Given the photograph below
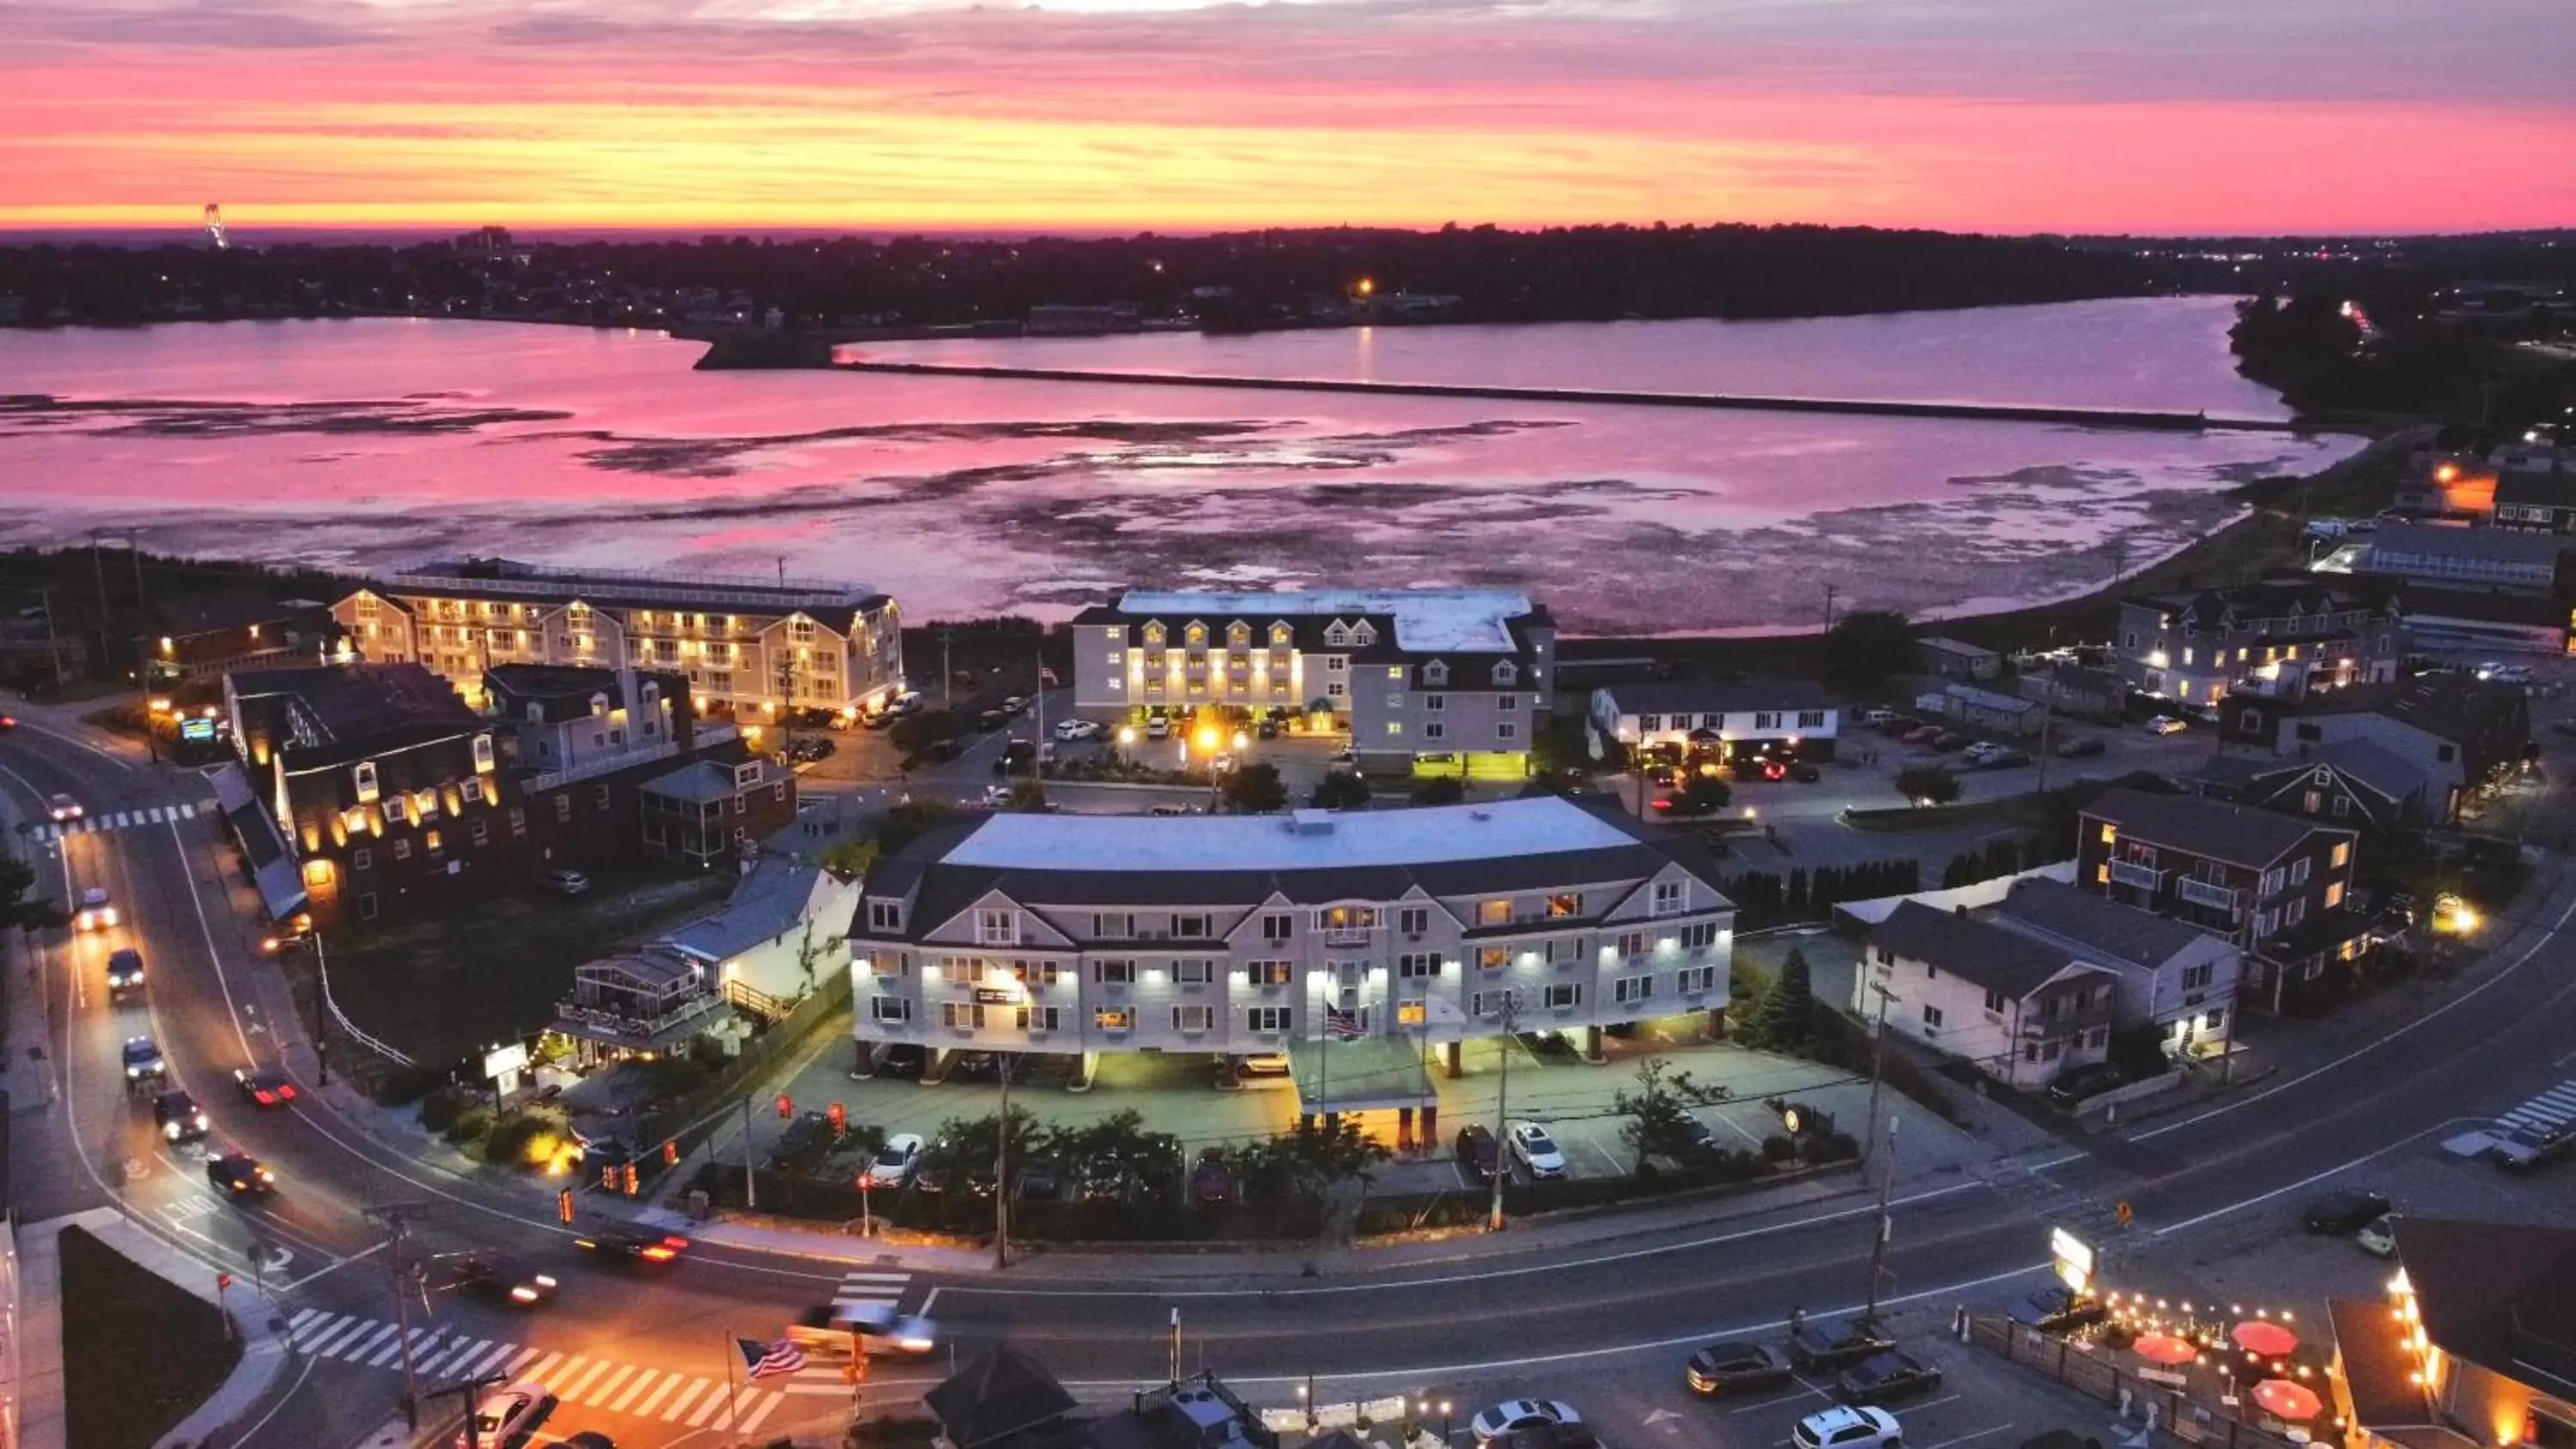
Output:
x=1869 y=407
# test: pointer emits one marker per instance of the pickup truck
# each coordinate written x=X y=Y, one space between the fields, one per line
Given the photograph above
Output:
x=826 y=1329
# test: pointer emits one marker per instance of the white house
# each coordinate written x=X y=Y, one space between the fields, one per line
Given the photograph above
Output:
x=1739 y=718
x=2018 y=1009
x=2178 y=977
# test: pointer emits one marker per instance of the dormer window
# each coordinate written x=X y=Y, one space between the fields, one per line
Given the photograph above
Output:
x=1363 y=633
x=1506 y=673
x=1281 y=636
x=1238 y=635
x=483 y=754
x=599 y=704
x=1154 y=635
x=1337 y=634
x=365 y=775
x=1196 y=635
x=1435 y=674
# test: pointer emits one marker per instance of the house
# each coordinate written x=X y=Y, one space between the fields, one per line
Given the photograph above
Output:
x=1690 y=715
x=2274 y=637
x=709 y=810
x=2175 y=978
x=2276 y=886
x=2446 y=483
x=2474 y=1344
x=201 y=635
x=384 y=787
x=2459 y=733
x=2072 y=689
x=2465 y=619
x=1354 y=943
x=2018 y=1009
x=580 y=754
x=637 y=1002
x=2535 y=490
x=2480 y=558
x=1956 y=659
x=1002 y=1399
x=1449 y=680
x=1985 y=709
x=746 y=644
x=2350 y=782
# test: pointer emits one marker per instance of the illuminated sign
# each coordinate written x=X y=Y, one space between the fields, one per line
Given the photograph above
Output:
x=199 y=728
x=2074 y=1259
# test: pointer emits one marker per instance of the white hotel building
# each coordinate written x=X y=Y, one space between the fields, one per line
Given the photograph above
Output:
x=745 y=643
x=1356 y=943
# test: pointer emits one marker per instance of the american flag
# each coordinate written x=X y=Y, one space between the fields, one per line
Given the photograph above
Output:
x=1343 y=1024
x=767 y=1359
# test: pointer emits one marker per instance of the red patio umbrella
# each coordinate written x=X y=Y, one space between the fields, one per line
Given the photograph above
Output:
x=2286 y=1400
x=2164 y=1348
x=2264 y=1337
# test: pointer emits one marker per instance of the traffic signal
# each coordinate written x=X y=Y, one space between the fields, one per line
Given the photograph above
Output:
x=786 y=1108
x=608 y=1176
x=223 y=1281
x=563 y=1205
x=2125 y=1214
x=671 y=1153
x=630 y=1179
x=840 y=1116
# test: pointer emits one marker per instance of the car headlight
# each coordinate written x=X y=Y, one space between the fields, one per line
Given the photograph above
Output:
x=914 y=1345
x=170 y=1130
x=523 y=1294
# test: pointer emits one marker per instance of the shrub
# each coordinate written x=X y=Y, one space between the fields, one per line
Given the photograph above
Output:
x=1777 y=1148
x=526 y=1136
x=439 y=1109
x=472 y=1123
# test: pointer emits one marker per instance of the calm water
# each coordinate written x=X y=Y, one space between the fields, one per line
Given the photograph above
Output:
x=372 y=443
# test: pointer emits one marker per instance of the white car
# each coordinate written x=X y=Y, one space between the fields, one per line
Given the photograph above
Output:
x=1981 y=751
x=1862 y=1428
x=894 y=1164
x=62 y=808
x=2165 y=724
x=2378 y=1238
x=505 y=1414
x=1071 y=729
x=96 y=914
x=1535 y=1150
x=1501 y=1419
x=566 y=883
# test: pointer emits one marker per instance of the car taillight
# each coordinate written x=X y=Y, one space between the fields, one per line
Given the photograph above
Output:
x=286 y=1093
x=264 y=1096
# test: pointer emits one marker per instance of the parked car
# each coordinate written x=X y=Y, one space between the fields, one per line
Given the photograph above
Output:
x=239 y=1175
x=901 y=1060
x=2057 y=1310
x=180 y=1118
x=1948 y=740
x=2077 y=1085
x=124 y=971
x=1268 y=729
x=2379 y=1237
x=565 y=883
x=2525 y=1148
x=1874 y=716
x=1822 y=1345
x=1263 y=1064
x=264 y=1087
x=1478 y=1152
x=2345 y=1210
x=2081 y=748
x=991 y=720
x=1806 y=774
x=942 y=751
x=1978 y=750
x=1866 y=1427
x=895 y=1162
x=1494 y=1422
x=1535 y=1150
x=1212 y=1182
x=2004 y=759
x=143 y=1062
x=1894 y=1374
x=505 y=1414
x=1070 y=729
x=1734 y=1368
x=2165 y=724
x=1921 y=735
x=1158 y=728
x=96 y=913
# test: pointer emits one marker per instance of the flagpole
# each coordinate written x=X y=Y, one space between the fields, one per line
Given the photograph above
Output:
x=733 y=1406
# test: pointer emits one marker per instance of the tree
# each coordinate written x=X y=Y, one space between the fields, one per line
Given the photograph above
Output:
x=1865 y=646
x=1786 y=1012
x=1340 y=790
x=1117 y=1148
x=1256 y=789
x=1659 y=1123
x=850 y=859
x=1028 y=797
x=1702 y=795
x=1306 y=1161
x=972 y=1146
x=1928 y=784
x=38 y=913
x=904 y=823
x=916 y=732
x=1440 y=790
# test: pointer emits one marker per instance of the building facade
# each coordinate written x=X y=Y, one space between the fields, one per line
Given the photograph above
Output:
x=708 y=811
x=2275 y=886
x=2458 y=733
x=2472 y=558
x=1317 y=935
x=2473 y=1346
x=2018 y=1009
x=2351 y=782
x=1452 y=676
x=2178 y=980
x=1689 y=714
x=745 y=645
x=2279 y=638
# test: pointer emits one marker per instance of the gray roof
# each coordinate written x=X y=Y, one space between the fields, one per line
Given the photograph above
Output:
x=1709 y=696
x=2120 y=936
x=999 y=1393
x=1970 y=949
x=2218 y=829
x=704 y=781
x=2232 y=772
x=1940 y=644
x=2402 y=540
x=2361 y=761
x=768 y=903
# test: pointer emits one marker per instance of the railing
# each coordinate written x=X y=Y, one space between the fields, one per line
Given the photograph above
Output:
x=1348 y=935
x=627 y=1023
x=2087 y=1369
x=322 y=970
x=758 y=1002
x=692 y=588
x=2129 y=873
x=2202 y=893
x=610 y=764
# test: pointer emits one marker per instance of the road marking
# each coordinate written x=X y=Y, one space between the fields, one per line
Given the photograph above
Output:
x=373 y=1339
x=2312 y=1179
x=317 y=1326
x=499 y=1353
x=341 y=1339
x=759 y=1412
x=645 y=1409
x=400 y=1345
x=609 y=1385
x=521 y=1361
x=454 y=1352
x=642 y=1382
x=579 y=1384
x=714 y=1406
x=302 y=1317
x=680 y=1405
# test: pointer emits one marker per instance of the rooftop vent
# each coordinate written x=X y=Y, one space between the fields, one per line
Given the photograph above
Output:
x=1310 y=822
x=1480 y=814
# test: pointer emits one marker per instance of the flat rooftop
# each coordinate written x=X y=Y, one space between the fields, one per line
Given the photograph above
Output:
x=1303 y=840
x=512 y=578
x=1425 y=619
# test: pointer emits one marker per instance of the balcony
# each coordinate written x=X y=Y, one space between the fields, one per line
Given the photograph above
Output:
x=1349 y=935
x=2043 y=1027
x=635 y=1023
x=2202 y=893
x=2144 y=877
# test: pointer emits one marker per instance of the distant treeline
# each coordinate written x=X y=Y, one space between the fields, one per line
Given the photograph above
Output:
x=1244 y=278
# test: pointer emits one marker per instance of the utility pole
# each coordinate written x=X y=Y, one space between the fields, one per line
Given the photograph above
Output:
x=467 y=1392
x=1502 y=1115
x=1176 y=1343
x=1877 y=1060
x=1002 y=1173
x=98 y=565
x=53 y=640
x=396 y=1216
x=1829 y=608
x=947 y=678
x=750 y=1165
x=1880 y=1224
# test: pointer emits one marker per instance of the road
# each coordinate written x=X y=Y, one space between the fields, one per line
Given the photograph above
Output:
x=643 y=1356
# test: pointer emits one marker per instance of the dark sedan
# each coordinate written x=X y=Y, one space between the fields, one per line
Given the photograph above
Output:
x=632 y=1245
x=2057 y=1310
x=1734 y=1368
x=2076 y=1085
x=1823 y=1344
x=497 y=1276
x=1894 y=1374
x=2343 y=1212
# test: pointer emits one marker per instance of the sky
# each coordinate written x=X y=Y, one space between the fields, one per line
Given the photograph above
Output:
x=2144 y=116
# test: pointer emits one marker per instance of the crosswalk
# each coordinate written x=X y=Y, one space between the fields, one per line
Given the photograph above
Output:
x=699 y=1401
x=2553 y=1108
x=863 y=1290
x=123 y=819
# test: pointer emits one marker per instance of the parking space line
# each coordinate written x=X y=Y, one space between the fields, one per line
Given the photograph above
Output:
x=1736 y=1127
x=1617 y=1168
x=1968 y=1438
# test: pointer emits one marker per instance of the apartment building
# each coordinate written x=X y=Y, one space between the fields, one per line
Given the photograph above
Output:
x=2178 y=979
x=2019 y=1010
x=745 y=644
x=385 y=788
x=2276 y=886
x=2458 y=733
x=2506 y=559
x=1351 y=942
x=582 y=746
x=1439 y=677
x=1791 y=716
x=2275 y=638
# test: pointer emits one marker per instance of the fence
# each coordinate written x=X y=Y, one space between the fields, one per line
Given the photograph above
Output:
x=696 y=1117
x=348 y=1028
x=2090 y=1371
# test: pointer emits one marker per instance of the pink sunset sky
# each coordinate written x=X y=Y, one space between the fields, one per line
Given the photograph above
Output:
x=1995 y=115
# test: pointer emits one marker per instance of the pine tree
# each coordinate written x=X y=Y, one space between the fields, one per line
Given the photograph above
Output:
x=1782 y=1018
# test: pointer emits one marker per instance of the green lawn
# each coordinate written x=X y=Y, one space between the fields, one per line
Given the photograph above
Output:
x=139 y=1351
